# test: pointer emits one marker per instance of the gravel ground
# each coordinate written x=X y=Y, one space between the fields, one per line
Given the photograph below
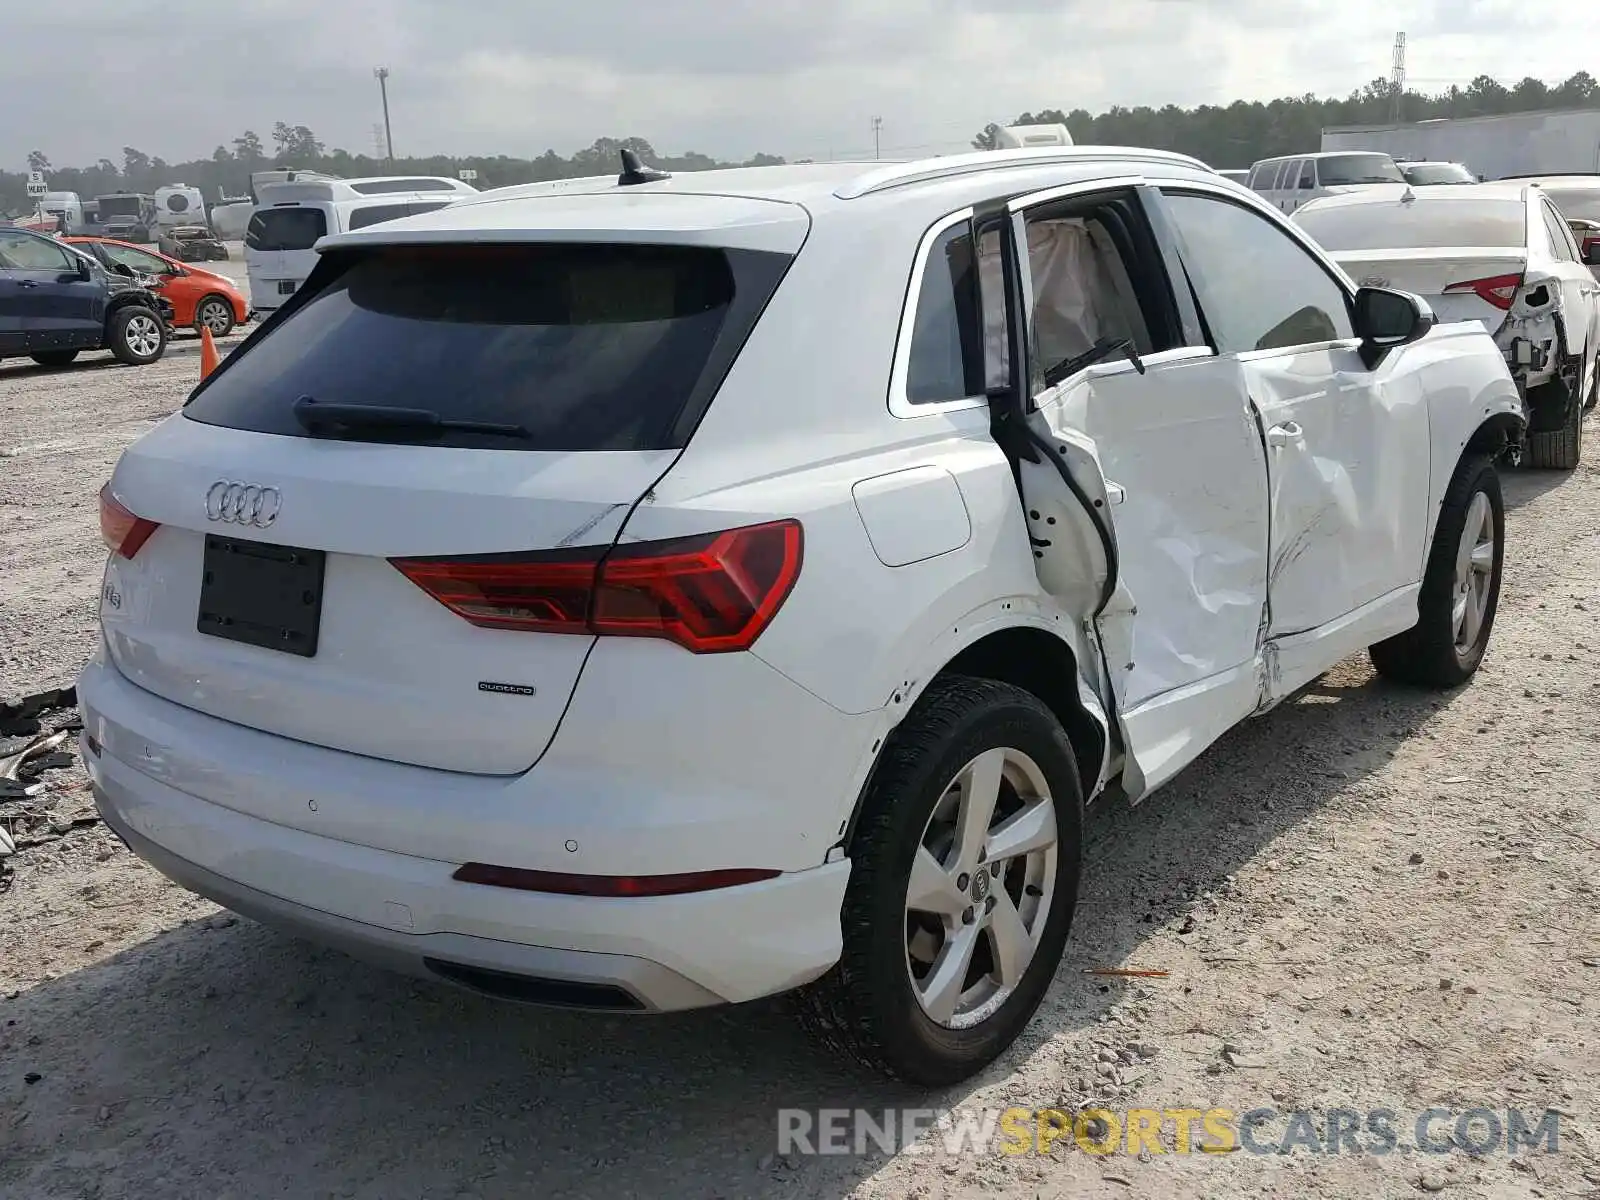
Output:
x=1371 y=898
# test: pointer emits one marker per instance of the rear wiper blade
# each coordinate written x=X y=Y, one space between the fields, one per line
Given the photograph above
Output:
x=315 y=414
x=1103 y=349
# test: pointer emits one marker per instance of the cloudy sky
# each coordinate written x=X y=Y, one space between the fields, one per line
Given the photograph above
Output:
x=800 y=78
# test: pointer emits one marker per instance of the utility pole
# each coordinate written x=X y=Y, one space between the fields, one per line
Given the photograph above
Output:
x=1397 y=80
x=381 y=74
x=877 y=130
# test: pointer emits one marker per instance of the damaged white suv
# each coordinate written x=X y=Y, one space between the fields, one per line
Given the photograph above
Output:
x=649 y=593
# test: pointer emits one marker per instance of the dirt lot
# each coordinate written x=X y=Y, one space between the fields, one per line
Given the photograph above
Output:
x=1368 y=899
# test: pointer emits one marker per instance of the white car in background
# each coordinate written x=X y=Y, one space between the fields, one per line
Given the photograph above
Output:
x=1292 y=180
x=1578 y=198
x=1501 y=255
x=1436 y=174
x=644 y=593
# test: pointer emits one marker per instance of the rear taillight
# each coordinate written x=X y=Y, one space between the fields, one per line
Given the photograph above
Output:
x=709 y=593
x=1498 y=290
x=123 y=532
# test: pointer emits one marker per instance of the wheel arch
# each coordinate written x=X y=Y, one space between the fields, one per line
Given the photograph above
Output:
x=1493 y=436
x=1027 y=656
x=129 y=300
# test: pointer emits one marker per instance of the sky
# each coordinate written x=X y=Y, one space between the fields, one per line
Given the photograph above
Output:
x=729 y=78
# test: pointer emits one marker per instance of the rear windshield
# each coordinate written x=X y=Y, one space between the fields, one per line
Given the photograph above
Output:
x=1427 y=174
x=285 y=229
x=1420 y=224
x=120 y=206
x=1342 y=169
x=1576 y=204
x=377 y=187
x=583 y=347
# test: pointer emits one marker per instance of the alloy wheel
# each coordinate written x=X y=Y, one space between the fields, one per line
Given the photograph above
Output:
x=214 y=315
x=981 y=888
x=1475 y=562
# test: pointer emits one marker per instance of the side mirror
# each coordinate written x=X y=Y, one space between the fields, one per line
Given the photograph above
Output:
x=85 y=270
x=1385 y=319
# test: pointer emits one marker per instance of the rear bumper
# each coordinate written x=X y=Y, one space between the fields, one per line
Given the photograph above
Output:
x=404 y=910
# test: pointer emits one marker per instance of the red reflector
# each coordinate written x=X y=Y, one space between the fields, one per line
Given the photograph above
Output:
x=1498 y=290
x=613 y=886
x=710 y=593
x=123 y=532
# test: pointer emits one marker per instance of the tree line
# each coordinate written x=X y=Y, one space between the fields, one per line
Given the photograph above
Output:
x=1232 y=135
x=1237 y=134
x=227 y=172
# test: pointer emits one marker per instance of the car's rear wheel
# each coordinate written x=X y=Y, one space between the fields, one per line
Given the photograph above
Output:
x=1461 y=590
x=963 y=884
x=1561 y=447
x=54 y=358
x=137 y=335
x=216 y=314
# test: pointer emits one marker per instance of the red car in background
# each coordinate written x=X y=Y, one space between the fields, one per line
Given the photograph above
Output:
x=198 y=297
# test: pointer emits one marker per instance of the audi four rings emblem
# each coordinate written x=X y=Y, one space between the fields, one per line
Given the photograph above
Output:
x=242 y=503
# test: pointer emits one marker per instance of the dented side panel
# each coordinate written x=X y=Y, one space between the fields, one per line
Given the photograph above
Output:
x=1349 y=472
x=1174 y=457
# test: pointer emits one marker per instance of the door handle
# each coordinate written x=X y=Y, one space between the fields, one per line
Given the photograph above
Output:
x=28 y=283
x=1287 y=434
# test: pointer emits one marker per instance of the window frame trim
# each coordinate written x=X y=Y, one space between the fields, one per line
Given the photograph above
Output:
x=900 y=403
x=1549 y=212
x=1168 y=187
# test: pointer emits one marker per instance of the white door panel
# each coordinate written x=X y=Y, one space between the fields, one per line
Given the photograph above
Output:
x=1191 y=525
x=1347 y=464
x=1184 y=470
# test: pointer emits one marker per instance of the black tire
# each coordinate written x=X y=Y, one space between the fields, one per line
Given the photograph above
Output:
x=54 y=358
x=220 y=303
x=1594 y=385
x=1558 y=449
x=865 y=1008
x=1426 y=655
x=131 y=347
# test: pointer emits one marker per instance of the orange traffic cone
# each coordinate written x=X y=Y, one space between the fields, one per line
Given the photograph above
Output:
x=208 y=352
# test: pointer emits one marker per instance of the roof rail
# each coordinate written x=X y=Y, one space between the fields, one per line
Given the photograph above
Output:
x=925 y=170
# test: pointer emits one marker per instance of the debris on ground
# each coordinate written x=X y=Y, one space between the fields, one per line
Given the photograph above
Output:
x=35 y=807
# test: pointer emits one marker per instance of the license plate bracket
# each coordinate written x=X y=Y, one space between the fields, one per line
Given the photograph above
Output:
x=262 y=595
x=286 y=287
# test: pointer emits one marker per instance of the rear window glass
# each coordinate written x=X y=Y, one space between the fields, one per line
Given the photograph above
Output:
x=1428 y=174
x=376 y=214
x=1420 y=224
x=1576 y=204
x=285 y=229
x=583 y=347
x=1343 y=169
x=377 y=187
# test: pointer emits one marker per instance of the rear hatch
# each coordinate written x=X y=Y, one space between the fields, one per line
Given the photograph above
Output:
x=1459 y=284
x=278 y=249
x=266 y=594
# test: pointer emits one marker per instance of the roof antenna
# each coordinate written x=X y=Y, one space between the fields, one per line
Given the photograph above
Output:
x=635 y=172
